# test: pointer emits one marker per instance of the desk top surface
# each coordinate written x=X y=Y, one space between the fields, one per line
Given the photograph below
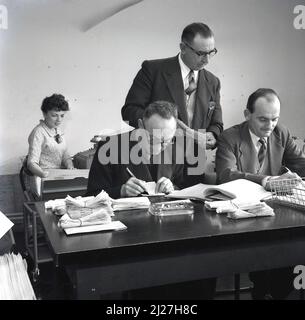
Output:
x=144 y=229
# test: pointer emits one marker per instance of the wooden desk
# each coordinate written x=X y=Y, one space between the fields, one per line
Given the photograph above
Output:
x=156 y=251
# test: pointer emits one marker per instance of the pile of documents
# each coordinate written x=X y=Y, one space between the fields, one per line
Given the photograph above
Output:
x=84 y=212
x=89 y=214
x=240 y=210
x=14 y=280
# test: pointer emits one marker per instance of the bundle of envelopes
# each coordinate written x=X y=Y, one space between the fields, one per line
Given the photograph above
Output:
x=86 y=211
x=90 y=214
x=239 y=210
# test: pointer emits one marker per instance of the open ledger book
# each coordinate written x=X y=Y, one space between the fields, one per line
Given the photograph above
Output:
x=241 y=189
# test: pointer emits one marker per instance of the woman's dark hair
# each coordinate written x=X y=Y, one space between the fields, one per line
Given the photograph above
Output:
x=55 y=102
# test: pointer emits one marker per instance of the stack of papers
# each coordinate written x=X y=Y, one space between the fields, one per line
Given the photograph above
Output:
x=130 y=203
x=14 y=280
x=240 y=210
x=99 y=217
x=86 y=212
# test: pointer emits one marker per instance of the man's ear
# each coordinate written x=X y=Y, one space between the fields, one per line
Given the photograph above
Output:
x=247 y=114
x=140 y=124
x=182 y=47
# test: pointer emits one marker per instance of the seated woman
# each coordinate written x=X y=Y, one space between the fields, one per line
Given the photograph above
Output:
x=47 y=146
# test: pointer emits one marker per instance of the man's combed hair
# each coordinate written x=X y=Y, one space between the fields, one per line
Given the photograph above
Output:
x=195 y=28
x=267 y=93
x=55 y=102
x=164 y=109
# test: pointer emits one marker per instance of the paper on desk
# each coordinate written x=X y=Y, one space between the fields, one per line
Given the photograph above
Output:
x=89 y=202
x=130 y=203
x=240 y=210
x=5 y=224
x=112 y=226
x=151 y=189
x=263 y=211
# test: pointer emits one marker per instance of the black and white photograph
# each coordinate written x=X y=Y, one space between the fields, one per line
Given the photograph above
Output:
x=152 y=153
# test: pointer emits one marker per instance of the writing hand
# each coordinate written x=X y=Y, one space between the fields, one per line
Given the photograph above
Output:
x=133 y=187
x=164 y=185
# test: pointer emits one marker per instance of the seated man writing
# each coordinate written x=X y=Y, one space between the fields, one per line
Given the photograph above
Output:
x=123 y=164
x=257 y=150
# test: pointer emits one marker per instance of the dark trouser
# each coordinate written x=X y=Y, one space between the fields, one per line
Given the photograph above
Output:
x=276 y=282
x=191 y=290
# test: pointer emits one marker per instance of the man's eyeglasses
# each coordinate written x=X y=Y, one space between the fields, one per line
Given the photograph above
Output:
x=201 y=53
x=155 y=140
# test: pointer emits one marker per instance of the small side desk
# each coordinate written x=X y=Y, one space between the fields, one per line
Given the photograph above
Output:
x=154 y=251
x=61 y=182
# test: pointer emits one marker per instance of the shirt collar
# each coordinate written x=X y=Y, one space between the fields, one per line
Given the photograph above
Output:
x=185 y=70
x=50 y=132
x=255 y=139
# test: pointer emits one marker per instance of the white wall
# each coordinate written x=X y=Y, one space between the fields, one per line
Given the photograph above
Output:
x=47 y=49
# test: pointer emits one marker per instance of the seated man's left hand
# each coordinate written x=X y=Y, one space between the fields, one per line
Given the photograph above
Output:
x=164 y=185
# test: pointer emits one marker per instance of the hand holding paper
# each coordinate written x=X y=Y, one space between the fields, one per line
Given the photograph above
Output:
x=164 y=185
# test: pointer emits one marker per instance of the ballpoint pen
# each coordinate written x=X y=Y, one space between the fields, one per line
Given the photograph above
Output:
x=130 y=173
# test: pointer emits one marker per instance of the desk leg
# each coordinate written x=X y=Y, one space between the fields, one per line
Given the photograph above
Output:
x=237 y=286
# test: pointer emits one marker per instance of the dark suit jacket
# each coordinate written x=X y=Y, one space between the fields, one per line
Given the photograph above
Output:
x=236 y=153
x=161 y=80
x=110 y=177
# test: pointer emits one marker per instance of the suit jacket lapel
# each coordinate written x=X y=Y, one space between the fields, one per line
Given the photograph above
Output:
x=204 y=94
x=140 y=170
x=275 y=153
x=174 y=82
x=247 y=150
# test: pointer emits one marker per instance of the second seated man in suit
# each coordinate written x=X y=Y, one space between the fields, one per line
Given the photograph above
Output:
x=141 y=151
x=261 y=150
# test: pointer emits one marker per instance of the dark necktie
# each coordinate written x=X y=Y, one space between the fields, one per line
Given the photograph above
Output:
x=192 y=84
x=262 y=151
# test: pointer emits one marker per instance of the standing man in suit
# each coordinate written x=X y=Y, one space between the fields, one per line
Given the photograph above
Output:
x=261 y=150
x=183 y=80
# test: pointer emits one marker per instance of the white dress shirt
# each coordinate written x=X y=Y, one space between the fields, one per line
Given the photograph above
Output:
x=185 y=70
